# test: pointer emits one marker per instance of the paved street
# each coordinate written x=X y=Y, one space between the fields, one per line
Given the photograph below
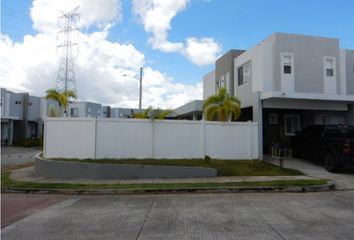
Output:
x=328 y=215
x=11 y=156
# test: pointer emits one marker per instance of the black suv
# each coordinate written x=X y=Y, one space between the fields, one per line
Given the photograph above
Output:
x=331 y=143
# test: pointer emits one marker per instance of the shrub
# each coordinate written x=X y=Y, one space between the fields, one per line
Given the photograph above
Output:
x=207 y=158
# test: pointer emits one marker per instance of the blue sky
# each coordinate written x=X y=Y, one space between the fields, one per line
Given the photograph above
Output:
x=238 y=24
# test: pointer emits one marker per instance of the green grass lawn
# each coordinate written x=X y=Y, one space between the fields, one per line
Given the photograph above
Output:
x=6 y=181
x=223 y=167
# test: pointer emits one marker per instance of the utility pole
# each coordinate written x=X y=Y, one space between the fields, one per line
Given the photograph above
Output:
x=66 y=74
x=140 y=84
x=141 y=87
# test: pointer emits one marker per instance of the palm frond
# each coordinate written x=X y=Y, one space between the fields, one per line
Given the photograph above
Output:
x=221 y=107
x=164 y=114
x=210 y=112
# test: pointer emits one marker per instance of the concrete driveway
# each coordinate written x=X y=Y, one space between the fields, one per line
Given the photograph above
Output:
x=11 y=156
x=343 y=180
x=322 y=216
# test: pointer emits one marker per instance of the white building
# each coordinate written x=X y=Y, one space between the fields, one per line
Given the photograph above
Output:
x=287 y=82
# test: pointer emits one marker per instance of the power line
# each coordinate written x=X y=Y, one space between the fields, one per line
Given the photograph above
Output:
x=66 y=74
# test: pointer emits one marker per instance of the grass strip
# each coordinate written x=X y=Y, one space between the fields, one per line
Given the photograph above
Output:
x=223 y=167
x=7 y=182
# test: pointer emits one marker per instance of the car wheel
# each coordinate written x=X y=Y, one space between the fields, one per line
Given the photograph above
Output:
x=330 y=163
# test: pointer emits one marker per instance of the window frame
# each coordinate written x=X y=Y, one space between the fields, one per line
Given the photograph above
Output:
x=240 y=76
x=333 y=61
x=294 y=129
x=244 y=78
x=286 y=64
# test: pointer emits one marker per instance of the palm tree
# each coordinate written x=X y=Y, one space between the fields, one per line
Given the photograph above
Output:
x=153 y=113
x=144 y=114
x=62 y=98
x=221 y=107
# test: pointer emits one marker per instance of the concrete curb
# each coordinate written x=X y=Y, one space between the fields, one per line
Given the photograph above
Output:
x=295 y=189
x=70 y=170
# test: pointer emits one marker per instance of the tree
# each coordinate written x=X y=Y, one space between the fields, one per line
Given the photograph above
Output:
x=62 y=98
x=144 y=114
x=153 y=113
x=221 y=107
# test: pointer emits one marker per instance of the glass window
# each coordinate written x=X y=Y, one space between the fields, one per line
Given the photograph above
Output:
x=292 y=124
x=240 y=76
x=74 y=112
x=246 y=73
x=329 y=68
x=287 y=64
x=287 y=69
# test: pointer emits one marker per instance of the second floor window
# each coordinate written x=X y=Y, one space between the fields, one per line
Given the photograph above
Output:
x=329 y=68
x=287 y=64
x=240 y=76
x=244 y=74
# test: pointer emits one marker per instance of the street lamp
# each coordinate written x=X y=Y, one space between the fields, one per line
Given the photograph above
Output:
x=141 y=82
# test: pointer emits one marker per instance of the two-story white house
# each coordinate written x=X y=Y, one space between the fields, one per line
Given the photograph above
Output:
x=287 y=82
x=85 y=109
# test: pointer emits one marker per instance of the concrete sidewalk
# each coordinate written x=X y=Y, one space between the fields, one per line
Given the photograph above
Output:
x=29 y=175
x=343 y=180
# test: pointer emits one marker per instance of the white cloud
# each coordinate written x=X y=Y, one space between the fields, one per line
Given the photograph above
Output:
x=156 y=17
x=99 y=67
x=202 y=51
x=45 y=13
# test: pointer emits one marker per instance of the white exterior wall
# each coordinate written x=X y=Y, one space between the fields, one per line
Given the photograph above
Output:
x=342 y=72
x=264 y=71
x=120 y=138
x=140 y=138
x=209 y=85
x=227 y=140
x=69 y=138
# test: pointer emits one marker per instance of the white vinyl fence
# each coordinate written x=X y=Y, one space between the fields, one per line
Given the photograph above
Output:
x=140 y=138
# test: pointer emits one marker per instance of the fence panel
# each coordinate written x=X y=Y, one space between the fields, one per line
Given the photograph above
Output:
x=140 y=138
x=69 y=138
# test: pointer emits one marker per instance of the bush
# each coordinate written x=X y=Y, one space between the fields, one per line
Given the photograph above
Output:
x=207 y=159
x=29 y=143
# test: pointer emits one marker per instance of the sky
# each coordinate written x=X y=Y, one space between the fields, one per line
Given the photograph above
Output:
x=176 y=41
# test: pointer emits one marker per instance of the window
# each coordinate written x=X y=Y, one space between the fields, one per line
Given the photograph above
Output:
x=244 y=73
x=74 y=112
x=240 y=76
x=329 y=68
x=292 y=124
x=287 y=64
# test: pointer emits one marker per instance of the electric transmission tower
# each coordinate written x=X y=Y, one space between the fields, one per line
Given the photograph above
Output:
x=66 y=74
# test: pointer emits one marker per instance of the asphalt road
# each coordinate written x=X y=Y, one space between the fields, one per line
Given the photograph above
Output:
x=328 y=215
x=12 y=156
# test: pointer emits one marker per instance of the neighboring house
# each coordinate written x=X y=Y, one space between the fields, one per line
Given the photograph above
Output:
x=124 y=112
x=287 y=82
x=190 y=111
x=85 y=109
x=106 y=111
x=21 y=116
